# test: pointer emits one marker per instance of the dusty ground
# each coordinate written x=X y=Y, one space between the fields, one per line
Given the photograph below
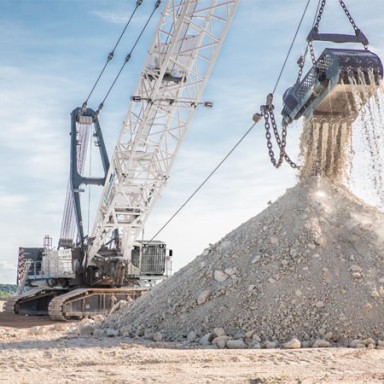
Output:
x=10 y=320
x=52 y=354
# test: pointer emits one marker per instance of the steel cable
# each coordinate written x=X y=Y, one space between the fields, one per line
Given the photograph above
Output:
x=128 y=57
x=111 y=54
x=290 y=48
x=205 y=181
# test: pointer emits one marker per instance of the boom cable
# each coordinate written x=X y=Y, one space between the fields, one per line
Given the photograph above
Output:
x=129 y=55
x=111 y=54
x=204 y=182
x=291 y=46
x=241 y=139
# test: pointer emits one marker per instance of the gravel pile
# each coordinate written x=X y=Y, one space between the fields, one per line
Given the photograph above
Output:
x=307 y=271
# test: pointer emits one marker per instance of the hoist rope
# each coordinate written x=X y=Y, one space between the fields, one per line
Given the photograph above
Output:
x=205 y=181
x=290 y=48
x=89 y=189
x=111 y=54
x=128 y=57
x=68 y=227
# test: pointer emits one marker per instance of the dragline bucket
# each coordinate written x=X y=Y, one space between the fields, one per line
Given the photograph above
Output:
x=339 y=84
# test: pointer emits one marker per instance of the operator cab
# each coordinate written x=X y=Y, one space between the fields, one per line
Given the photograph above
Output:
x=150 y=258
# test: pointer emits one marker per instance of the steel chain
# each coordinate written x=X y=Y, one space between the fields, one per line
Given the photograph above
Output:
x=317 y=23
x=275 y=130
x=299 y=75
x=321 y=10
x=350 y=18
x=275 y=163
x=348 y=15
x=312 y=53
x=286 y=157
x=281 y=142
x=301 y=63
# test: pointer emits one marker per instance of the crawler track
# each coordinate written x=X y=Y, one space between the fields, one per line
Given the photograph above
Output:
x=33 y=302
x=76 y=304
x=88 y=302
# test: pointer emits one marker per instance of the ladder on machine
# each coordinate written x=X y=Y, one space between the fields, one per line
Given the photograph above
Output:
x=24 y=276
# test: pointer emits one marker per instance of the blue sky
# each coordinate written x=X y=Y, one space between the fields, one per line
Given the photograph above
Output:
x=50 y=55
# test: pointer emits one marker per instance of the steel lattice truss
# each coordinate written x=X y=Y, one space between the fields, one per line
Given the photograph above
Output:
x=183 y=52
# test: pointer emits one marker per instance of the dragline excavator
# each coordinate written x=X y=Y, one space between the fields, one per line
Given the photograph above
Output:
x=86 y=275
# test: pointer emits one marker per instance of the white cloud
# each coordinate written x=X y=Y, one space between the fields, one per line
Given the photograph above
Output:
x=113 y=17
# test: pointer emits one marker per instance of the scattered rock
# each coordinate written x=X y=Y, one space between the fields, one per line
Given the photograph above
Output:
x=218 y=332
x=98 y=332
x=110 y=332
x=274 y=240
x=206 y=339
x=380 y=344
x=321 y=343
x=191 y=337
x=125 y=330
x=236 y=344
x=255 y=258
x=118 y=306
x=203 y=297
x=87 y=329
x=292 y=344
x=221 y=341
x=220 y=276
x=157 y=336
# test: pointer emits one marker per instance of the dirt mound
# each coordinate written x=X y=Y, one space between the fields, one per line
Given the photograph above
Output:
x=310 y=266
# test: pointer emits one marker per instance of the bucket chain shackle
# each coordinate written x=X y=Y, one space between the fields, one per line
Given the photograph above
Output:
x=314 y=35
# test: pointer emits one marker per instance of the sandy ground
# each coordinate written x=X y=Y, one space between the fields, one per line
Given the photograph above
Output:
x=52 y=353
